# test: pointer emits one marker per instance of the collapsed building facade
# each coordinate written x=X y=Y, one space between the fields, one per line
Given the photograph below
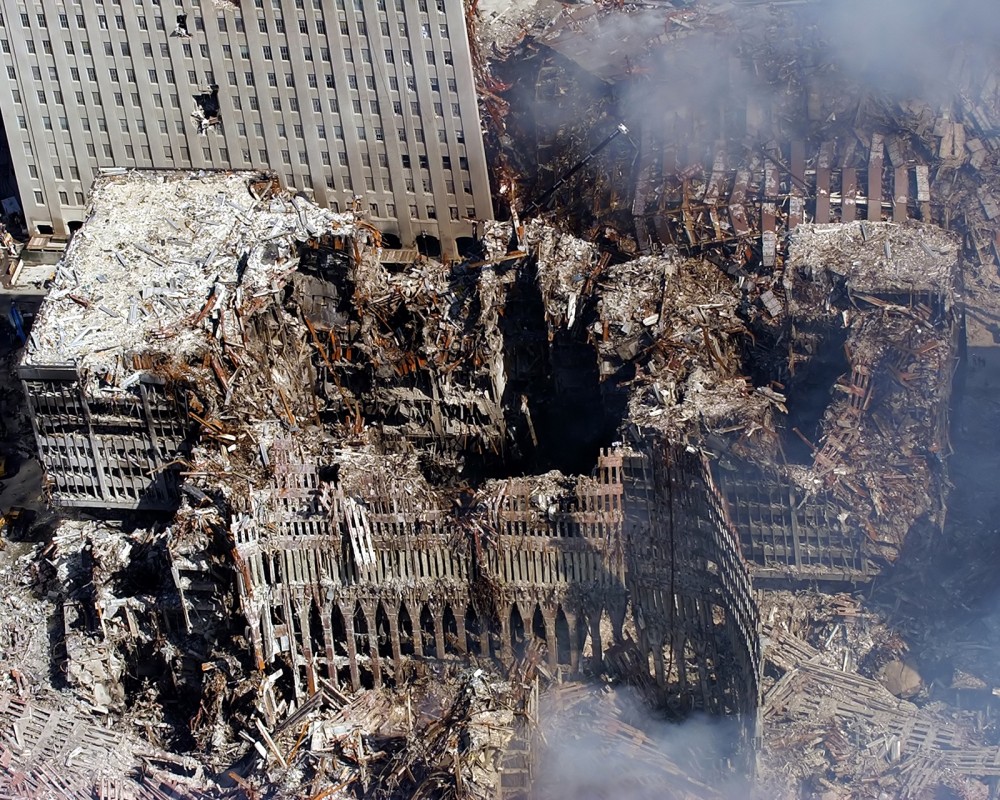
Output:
x=309 y=475
x=365 y=455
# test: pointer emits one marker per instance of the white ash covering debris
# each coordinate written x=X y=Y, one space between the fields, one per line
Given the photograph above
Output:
x=167 y=260
x=503 y=24
x=876 y=256
x=24 y=617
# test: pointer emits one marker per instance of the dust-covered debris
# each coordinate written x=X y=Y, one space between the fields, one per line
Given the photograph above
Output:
x=365 y=521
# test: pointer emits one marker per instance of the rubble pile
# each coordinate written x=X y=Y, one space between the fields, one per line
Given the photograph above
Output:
x=602 y=741
x=339 y=521
x=362 y=469
x=882 y=295
x=446 y=735
x=130 y=281
x=51 y=750
x=837 y=676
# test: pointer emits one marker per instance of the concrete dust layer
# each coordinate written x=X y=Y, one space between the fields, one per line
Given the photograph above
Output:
x=503 y=24
x=156 y=250
x=879 y=256
x=385 y=471
x=368 y=480
x=405 y=512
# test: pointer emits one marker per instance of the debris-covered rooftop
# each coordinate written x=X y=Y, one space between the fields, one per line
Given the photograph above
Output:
x=663 y=479
x=165 y=261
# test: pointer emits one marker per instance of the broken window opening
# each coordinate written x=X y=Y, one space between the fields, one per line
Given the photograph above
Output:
x=451 y=644
x=427 y=637
x=207 y=112
x=391 y=241
x=518 y=640
x=429 y=246
x=563 y=637
x=382 y=630
x=474 y=641
x=406 y=647
x=181 y=29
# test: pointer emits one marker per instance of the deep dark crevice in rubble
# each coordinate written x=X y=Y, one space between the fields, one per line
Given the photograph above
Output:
x=553 y=394
x=324 y=260
x=810 y=389
x=556 y=413
x=804 y=364
x=546 y=132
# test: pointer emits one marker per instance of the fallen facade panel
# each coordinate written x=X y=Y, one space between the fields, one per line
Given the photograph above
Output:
x=349 y=432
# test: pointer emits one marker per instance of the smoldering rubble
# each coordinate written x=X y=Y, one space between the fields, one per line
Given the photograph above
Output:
x=338 y=520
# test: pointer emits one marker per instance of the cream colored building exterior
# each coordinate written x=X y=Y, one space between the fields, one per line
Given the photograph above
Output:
x=373 y=99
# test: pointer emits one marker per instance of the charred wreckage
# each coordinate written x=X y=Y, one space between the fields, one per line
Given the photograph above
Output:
x=342 y=520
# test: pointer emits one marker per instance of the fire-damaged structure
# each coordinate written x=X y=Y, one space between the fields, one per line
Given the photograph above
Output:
x=388 y=466
x=637 y=482
x=864 y=353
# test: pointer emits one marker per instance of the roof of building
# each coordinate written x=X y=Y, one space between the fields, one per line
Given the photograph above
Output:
x=878 y=257
x=164 y=259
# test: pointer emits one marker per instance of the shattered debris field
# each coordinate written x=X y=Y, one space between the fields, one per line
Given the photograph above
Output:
x=654 y=497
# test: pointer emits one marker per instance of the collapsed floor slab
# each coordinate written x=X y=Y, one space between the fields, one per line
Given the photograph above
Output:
x=366 y=460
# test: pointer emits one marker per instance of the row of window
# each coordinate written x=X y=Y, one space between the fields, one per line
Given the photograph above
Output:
x=299 y=131
x=74 y=171
x=254 y=103
x=249 y=78
x=63 y=198
x=430 y=212
x=400 y=5
x=383 y=158
x=377 y=132
x=238 y=24
x=447 y=57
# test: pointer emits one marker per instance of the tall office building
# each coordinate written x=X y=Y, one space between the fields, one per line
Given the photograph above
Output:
x=373 y=99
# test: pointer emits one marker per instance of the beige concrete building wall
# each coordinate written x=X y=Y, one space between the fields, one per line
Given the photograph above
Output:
x=343 y=98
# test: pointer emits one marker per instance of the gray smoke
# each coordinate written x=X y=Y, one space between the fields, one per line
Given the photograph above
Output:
x=589 y=755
